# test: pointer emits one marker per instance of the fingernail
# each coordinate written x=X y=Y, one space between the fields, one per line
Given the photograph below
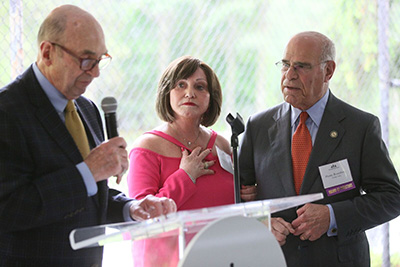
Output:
x=182 y=149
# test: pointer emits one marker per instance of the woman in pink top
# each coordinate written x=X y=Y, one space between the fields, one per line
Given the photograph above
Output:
x=179 y=159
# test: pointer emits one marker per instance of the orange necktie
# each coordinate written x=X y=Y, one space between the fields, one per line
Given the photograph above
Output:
x=76 y=129
x=301 y=150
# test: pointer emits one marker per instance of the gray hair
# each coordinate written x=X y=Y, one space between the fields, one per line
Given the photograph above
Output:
x=328 y=50
x=52 y=28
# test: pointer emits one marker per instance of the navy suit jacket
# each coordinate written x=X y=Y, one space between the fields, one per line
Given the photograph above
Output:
x=265 y=159
x=42 y=194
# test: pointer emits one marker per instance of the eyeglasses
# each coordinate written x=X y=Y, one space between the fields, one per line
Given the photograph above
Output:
x=298 y=67
x=87 y=64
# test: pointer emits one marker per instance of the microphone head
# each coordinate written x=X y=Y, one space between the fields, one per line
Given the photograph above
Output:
x=109 y=104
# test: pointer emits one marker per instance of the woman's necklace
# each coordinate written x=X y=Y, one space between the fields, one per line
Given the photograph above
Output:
x=188 y=142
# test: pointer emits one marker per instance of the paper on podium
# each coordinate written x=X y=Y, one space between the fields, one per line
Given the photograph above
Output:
x=190 y=221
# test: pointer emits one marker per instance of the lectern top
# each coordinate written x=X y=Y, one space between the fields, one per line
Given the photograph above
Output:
x=190 y=221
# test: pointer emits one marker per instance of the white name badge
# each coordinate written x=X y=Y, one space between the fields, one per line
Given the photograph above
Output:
x=225 y=160
x=336 y=177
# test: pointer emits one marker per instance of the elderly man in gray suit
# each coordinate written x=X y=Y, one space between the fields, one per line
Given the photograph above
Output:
x=345 y=159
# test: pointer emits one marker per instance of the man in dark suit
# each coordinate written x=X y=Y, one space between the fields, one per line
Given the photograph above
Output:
x=47 y=187
x=348 y=163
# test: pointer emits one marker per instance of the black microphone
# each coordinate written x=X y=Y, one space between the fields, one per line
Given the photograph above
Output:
x=109 y=106
x=237 y=123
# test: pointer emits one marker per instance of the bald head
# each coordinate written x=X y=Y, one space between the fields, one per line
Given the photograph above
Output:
x=325 y=45
x=66 y=37
x=66 y=22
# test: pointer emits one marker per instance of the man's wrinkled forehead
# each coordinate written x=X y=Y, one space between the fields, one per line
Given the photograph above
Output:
x=302 y=48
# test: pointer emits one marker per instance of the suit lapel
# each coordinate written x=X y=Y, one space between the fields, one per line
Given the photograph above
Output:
x=280 y=133
x=87 y=116
x=329 y=134
x=59 y=133
x=48 y=117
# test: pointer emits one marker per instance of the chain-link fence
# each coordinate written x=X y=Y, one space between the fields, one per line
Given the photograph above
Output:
x=240 y=40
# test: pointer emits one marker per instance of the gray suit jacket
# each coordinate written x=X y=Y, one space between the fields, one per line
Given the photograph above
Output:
x=265 y=159
x=42 y=194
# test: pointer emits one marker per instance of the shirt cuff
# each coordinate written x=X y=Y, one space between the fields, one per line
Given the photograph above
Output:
x=88 y=178
x=332 y=231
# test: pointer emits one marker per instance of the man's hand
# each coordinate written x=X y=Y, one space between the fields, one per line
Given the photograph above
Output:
x=150 y=207
x=281 y=229
x=312 y=221
x=108 y=159
x=248 y=192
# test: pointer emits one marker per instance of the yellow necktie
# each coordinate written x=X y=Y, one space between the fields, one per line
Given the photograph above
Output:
x=76 y=129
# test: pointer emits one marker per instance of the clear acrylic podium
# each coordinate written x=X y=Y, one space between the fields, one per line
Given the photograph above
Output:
x=229 y=235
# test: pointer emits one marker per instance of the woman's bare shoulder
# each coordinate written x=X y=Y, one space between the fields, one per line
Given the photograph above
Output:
x=223 y=144
x=147 y=141
x=157 y=144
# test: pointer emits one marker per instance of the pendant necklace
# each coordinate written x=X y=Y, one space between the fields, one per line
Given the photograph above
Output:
x=188 y=142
